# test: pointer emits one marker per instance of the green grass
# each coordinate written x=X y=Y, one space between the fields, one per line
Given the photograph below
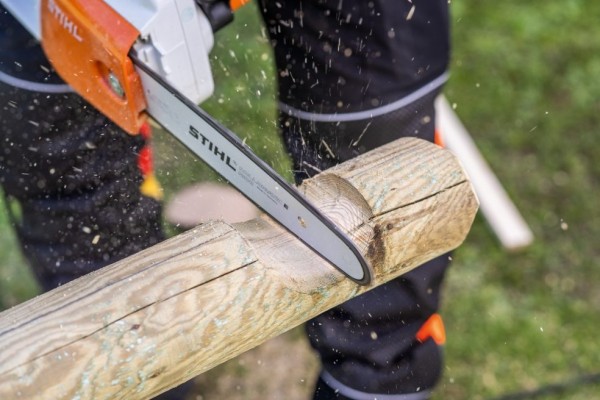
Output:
x=526 y=82
x=16 y=281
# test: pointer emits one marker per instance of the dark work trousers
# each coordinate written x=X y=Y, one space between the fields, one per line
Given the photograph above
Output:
x=354 y=75
x=71 y=175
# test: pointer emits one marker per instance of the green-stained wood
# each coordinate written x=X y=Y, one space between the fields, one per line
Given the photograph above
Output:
x=156 y=319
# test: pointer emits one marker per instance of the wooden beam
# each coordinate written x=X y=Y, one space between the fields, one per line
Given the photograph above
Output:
x=163 y=316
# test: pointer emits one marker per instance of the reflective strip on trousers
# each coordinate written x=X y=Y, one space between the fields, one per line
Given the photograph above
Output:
x=366 y=114
x=347 y=391
x=39 y=87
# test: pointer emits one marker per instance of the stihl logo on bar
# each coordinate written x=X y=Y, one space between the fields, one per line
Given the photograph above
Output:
x=211 y=147
x=64 y=20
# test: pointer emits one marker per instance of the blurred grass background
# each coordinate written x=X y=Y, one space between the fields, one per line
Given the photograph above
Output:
x=526 y=83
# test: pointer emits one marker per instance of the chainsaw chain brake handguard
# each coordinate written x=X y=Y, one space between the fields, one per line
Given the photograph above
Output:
x=88 y=43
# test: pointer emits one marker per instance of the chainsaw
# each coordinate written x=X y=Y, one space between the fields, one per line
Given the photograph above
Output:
x=140 y=59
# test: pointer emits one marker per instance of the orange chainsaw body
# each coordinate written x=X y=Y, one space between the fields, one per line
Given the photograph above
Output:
x=88 y=43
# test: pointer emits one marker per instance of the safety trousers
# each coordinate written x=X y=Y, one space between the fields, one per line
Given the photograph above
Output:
x=354 y=75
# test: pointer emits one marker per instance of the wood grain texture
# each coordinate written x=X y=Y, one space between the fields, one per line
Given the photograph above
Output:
x=158 y=318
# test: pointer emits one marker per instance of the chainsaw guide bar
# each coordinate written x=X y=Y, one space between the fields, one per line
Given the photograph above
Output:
x=114 y=55
x=223 y=151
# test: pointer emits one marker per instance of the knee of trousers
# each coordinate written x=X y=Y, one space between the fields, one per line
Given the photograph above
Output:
x=409 y=383
x=319 y=141
x=374 y=343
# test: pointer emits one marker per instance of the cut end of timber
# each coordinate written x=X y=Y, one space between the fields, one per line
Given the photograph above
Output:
x=409 y=199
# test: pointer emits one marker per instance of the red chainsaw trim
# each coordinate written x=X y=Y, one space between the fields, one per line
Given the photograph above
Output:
x=146 y=157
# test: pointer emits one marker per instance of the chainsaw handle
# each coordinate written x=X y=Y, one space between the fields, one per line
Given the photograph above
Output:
x=220 y=12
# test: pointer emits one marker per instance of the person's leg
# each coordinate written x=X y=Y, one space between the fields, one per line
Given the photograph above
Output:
x=353 y=76
x=76 y=179
x=73 y=173
x=72 y=176
x=369 y=346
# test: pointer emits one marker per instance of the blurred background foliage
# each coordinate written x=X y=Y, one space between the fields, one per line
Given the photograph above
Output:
x=525 y=81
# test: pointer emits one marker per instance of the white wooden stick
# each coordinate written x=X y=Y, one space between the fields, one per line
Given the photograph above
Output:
x=498 y=209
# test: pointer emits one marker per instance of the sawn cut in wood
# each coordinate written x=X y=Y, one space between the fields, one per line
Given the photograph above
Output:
x=162 y=316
